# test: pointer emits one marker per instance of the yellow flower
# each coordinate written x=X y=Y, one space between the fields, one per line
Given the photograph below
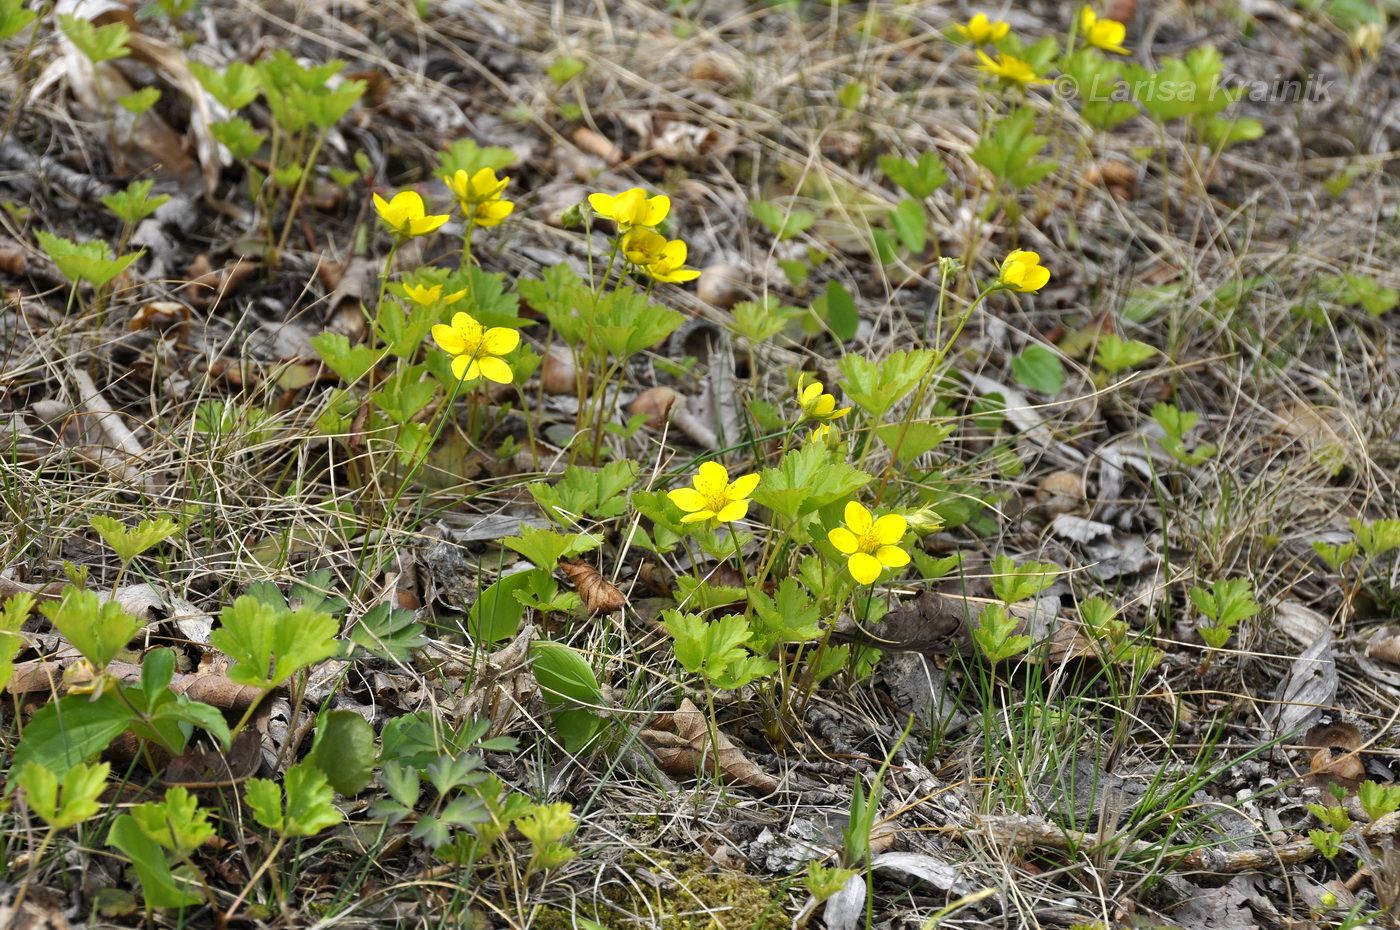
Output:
x=870 y=544
x=406 y=216
x=712 y=496
x=1107 y=34
x=425 y=296
x=631 y=208
x=659 y=257
x=815 y=404
x=826 y=434
x=476 y=351
x=1011 y=69
x=479 y=196
x=1022 y=272
x=983 y=31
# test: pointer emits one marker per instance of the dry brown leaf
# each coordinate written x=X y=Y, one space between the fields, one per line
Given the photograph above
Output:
x=558 y=374
x=1061 y=492
x=655 y=404
x=720 y=285
x=161 y=315
x=681 y=743
x=503 y=685
x=1384 y=645
x=600 y=596
x=1334 y=758
x=597 y=144
x=12 y=261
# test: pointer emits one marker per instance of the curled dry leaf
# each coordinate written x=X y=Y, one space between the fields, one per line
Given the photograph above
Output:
x=503 y=684
x=1060 y=492
x=1334 y=758
x=161 y=315
x=600 y=596
x=681 y=743
x=655 y=404
x=720 y=285
x=597 y=144
x=1384 y=645
x=558 y=374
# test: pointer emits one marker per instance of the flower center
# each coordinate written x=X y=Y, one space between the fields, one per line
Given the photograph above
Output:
x=715 y=500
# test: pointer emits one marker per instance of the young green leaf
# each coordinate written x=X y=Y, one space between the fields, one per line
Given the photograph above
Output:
x=77 y=801
x=1012 y=583
x=97 y=630
x=544 y=548
x=1039 y=369
x=14 y=17
x=13 y=612
x=784 y=223
x=1114 y=353
x=918 y=178
x=129 y=542
x=351 y=363
x=97 y=43
x=139 y=101
x=177 y=823
x=310 y=806
x=90 y=262
x=995 y=634
x=841 y=313
x=269 y=644
x=161 y=887
x=235 y=87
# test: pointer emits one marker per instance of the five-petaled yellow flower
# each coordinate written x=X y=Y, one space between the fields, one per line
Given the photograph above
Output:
x=1107 y=34
x=479 y=196
x=1022 y=272
x=712 y=496
x=1011 y=69
x=815 y=404
x=476 y=352
x=406 y=216
x=659 y=257
x=870 y=544
x=631 y=208
x=426 y=296
x=983 y=31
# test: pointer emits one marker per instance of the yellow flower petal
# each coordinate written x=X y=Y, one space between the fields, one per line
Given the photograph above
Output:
x=858 y=518
x=422 y=225
x=810 y=393
x=499 y=340
x=698 y=516
x=711 y=479
x=844 y=540
x=468 y=328
x=495 y=369
x=864 y=568
x=656 y=210
x=1035 y=278
x=892 y=556
x=741 y=486
x=465 y=368
x=687 y=499
x=448 y=339
x=734 y=510
x=890 y=529
x=603 y=204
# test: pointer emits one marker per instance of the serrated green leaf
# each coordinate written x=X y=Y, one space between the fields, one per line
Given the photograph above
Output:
x=1039 y=369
